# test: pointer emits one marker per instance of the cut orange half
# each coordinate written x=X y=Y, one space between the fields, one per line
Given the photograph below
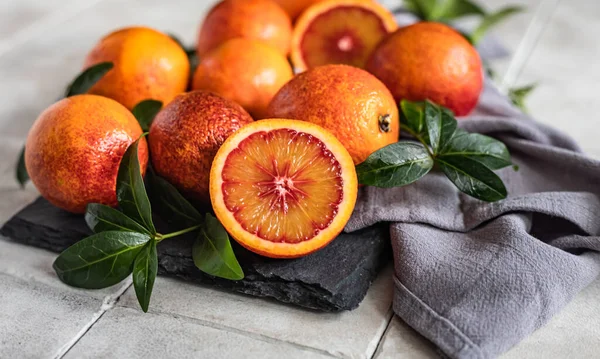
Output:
x=339 y=32
x=283 y=188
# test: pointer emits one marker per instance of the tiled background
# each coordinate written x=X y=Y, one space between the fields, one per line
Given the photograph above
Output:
x=42 y=46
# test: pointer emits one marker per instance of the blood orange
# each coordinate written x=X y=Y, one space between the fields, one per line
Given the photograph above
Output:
x=283 y=188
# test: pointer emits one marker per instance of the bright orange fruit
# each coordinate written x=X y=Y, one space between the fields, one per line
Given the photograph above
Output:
x=339 y=32
x=347 y=101
x=147 y=65
x=246 y=71
x=253 y=19
x=295 y=7
x=283 y=188
x=74 y=149
x=432 y=61
x=186 y=134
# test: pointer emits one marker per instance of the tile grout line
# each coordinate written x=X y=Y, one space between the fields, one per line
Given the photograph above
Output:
x=55 y=18
x=248 y=334
x=374 y=345
x=536 y=27
x=108 y=303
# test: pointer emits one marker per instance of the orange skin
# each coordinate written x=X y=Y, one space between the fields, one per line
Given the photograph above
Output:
x=246 y=71
x=253 y=19
x=74 y=149
x=147 y=65
x=432 y=61
x=349 y=102
x=295 y=7
x=185 y=136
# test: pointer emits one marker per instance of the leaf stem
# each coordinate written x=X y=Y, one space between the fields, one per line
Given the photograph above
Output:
x=419 y=138
x=178 y=233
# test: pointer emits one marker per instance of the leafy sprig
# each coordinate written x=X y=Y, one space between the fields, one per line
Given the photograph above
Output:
x=125 y=239
x=467 y=159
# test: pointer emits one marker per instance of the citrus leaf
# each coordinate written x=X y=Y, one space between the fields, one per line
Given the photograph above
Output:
x=100 y=260
x=421 y=8
x=175 y=207
x=212 y=251
x=398 y=164
x=486 y=150
x=441 y=125
x=20 y=170
x=519 y=94
x=145 y=268
x=102 y=218
x=145 y=111
x=88 y=78
x=131 y=192
x=452 y=9
x=473 y=178
x=491 y=20
x=413 y=116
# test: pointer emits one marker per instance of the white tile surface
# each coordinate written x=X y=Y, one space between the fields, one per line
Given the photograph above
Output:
x=126 y=333
x=401 y=341
x=347 y=334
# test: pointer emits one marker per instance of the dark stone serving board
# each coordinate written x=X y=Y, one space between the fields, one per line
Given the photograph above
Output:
x=332 y=279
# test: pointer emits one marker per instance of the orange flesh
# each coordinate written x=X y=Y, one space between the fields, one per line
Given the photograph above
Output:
x=343 y=35
x=284 y=186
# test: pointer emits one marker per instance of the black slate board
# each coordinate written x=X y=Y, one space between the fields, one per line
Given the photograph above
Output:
x=332 y=279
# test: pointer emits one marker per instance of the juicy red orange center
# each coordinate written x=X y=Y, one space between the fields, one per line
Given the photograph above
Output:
x=342 y=35
x=282 y=185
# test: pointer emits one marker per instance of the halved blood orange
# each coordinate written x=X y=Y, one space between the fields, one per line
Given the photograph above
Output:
x=283 y=188
x=339 y=32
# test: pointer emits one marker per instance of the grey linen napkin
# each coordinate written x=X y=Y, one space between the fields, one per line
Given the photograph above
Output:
x=475 y=278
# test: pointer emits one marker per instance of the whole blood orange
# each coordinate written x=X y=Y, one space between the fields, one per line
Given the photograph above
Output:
x=186 y=134
x=147 y=65
x=432 y=61
x=283 y=188
x=74 y=149
x=339 y=32
x=246 y=71
x=349 y=102
x=254 y=19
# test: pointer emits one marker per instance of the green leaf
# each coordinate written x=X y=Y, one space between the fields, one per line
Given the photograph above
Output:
x=413 y=116
x=102 y=218
x=421 y=8
x=145 y=111
x=486 y=150
x=491 y=20
x=88 y=78
x=441 y=125
x=519 y=94
x=20 y=170
x=452 y=9
x=212 y=251
x=473 y=178
x=398 y=164
x=131 y=192
x=101 y=260
x=145 y=269
x=170 y=201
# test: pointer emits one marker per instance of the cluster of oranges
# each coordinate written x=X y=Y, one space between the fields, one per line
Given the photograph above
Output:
x=287 y=97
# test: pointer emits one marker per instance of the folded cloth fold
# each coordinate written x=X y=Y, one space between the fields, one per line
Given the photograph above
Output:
x=473 y=277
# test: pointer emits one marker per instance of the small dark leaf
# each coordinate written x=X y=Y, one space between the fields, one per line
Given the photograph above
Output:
x=491 y=20
x=473 y=178
x=102 y=218
x=486 y=150
x=131 y=192
x=398 y=164
x=441 y=125
x=145 y=268
x=519 y=94
x=177 y=209
x=101 y=260
x=413 y=116
x=88 y=78
x=21 y=170
x=447 y=10
x=421 y=8
x=145 y=111
x=212 y=251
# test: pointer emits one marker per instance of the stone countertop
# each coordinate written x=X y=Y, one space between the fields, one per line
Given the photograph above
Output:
x=42 y=46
